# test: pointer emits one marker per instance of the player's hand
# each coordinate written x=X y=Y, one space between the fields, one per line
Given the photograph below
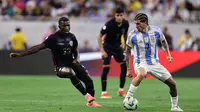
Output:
x=170 y=59
x=129 y=73
x=104 y=54
x=14 y=55
x=76 y=61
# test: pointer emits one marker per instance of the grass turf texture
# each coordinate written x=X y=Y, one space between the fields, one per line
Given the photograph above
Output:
x=51 y=94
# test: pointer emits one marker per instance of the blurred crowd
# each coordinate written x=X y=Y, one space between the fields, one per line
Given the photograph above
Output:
x=100 y=10
x=187 y=42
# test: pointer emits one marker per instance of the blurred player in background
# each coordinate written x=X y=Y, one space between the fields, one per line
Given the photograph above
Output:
x=110 y=46
x=17 y=41
x=144 y=43
x=53 y=29
x=63 y=45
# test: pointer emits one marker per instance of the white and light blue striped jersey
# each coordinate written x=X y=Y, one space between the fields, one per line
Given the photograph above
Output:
x=145 y=45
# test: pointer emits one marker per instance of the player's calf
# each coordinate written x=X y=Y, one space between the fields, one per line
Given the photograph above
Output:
x=172 y=85
x=65 y=72
x=90 y=87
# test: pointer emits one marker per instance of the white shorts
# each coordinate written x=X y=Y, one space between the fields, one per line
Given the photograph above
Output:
x=156 y=70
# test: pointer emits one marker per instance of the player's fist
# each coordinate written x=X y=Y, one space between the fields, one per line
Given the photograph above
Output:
x=104 y=54
x=14 y=55
x=129 y=74
x=170 y=59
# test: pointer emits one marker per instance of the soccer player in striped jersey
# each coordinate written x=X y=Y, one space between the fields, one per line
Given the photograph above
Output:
x=143 y=41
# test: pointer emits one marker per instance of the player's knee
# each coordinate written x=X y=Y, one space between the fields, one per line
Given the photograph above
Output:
x=141 y=73
x=172 y=84
x=65 y=72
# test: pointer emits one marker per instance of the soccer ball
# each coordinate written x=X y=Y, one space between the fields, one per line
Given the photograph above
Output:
x=130 y=103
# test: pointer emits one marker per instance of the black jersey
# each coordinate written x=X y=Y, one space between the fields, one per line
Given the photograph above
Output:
x=62 y=46
x=113 y=31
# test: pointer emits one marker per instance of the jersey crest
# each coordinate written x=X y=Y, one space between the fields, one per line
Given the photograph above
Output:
x=71 y=43
x=146 y=39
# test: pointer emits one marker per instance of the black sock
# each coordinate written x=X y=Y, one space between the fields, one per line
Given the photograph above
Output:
x=90 y=87
x=76 y=82
x=91 y=92
x=104 y=78
x=123 y=75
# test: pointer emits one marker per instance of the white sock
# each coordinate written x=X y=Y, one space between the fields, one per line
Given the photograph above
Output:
x=174 y=101
x=86 y=95
x=121 y=89
x=131 y=90
x=103 y=92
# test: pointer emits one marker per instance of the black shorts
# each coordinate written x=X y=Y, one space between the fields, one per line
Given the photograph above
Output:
x=80 y=71
x=115 y=51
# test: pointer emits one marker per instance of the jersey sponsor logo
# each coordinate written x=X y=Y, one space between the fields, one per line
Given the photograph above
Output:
x=60 y=43
x=60 y=40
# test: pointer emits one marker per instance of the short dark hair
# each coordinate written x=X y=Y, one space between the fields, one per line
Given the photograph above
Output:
x=119 y=10
x=187 y=31
x=63 y=19
x=18 y=29
x=141 y=16
x=165 y=28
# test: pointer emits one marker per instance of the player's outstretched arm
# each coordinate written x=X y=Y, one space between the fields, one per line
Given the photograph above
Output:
x=30 y=51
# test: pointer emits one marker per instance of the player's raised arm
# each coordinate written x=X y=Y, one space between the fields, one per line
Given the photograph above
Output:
x=30 y=51
x=166 y=47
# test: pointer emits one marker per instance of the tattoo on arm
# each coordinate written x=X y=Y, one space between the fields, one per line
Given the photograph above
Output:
x=127 y=54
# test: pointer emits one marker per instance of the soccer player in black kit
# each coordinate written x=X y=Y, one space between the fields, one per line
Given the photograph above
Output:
x=63 y=46
x=111 y=46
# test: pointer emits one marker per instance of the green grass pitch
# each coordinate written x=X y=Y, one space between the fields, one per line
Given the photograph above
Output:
x=51 y=94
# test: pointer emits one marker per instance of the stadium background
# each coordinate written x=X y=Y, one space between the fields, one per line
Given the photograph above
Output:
x=23 y=87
